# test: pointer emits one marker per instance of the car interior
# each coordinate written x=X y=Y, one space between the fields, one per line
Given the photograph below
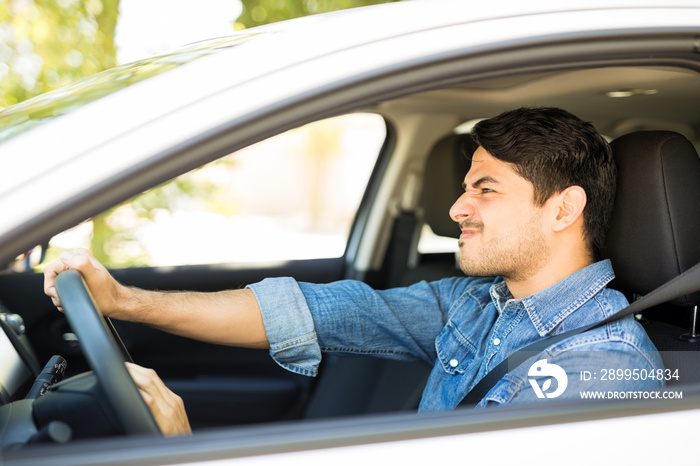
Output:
x=649 y=112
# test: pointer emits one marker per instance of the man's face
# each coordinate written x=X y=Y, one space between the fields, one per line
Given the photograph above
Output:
x=502 y=229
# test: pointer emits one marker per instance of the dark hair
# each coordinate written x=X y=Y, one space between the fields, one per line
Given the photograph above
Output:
x=553 y=149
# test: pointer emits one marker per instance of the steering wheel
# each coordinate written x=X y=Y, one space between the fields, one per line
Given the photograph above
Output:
x=104 y=354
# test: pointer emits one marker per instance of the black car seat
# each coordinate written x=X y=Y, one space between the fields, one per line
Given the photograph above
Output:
x=349 y=385
x=654 y=236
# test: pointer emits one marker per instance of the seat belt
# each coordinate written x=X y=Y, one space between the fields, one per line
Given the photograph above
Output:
x=685 y=283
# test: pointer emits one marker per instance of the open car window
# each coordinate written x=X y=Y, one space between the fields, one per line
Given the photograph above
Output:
x=300 y=188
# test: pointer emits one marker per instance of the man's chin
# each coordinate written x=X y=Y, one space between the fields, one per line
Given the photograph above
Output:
x=472 y=270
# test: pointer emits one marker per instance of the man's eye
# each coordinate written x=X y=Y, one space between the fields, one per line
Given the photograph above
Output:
x=486 y=190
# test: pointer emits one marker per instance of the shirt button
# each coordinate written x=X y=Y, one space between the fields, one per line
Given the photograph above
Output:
x=496 y=341
x=454 y=363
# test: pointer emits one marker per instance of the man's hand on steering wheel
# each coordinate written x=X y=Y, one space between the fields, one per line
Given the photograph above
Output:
x=167 y=407
x=105 y=290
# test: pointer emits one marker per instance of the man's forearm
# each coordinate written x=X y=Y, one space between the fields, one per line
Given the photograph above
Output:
x=229 y=317
x=225 y=317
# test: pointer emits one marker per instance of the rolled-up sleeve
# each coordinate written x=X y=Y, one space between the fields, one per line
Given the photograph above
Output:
x=289 y=325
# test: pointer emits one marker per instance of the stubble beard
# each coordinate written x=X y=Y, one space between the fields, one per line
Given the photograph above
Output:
x=515 y=257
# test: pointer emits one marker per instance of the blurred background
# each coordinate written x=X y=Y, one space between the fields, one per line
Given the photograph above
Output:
x=217 y=213
x=46 y=44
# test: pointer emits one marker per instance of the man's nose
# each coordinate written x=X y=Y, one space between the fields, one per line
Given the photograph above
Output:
x=462 y=208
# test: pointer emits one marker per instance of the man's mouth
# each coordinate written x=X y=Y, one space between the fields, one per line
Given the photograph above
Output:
x=467 y=234
x=470 y=229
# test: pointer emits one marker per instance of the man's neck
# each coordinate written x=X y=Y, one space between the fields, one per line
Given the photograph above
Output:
x=552 y=273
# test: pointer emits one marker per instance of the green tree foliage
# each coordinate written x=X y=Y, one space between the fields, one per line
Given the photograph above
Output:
x=115 y=240
x=46 y=44
x=259 y=12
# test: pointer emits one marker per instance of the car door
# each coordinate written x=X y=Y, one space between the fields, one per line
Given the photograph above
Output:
x=283 y=207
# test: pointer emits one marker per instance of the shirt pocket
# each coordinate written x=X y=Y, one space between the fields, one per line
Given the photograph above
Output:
x=454 y=351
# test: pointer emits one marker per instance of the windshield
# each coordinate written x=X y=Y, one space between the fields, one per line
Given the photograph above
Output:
x=24 y=116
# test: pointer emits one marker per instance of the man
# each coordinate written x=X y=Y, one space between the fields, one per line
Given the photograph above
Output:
x=536 y=205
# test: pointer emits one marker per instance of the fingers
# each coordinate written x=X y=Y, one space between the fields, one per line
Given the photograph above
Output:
x=77 y=259
x=101 y=284
x=167 y=408
x=51 y=271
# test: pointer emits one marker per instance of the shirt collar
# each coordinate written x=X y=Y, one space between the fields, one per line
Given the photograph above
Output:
x=551 y=306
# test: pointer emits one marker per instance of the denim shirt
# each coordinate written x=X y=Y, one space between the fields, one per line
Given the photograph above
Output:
x=464 y=327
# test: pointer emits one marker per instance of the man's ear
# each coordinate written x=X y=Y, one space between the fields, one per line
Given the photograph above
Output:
x=569 y=207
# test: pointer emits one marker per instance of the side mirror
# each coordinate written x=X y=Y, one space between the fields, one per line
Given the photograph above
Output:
x=28 y=261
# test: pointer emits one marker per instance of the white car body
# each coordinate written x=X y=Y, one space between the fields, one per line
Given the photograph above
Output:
x=76 y=165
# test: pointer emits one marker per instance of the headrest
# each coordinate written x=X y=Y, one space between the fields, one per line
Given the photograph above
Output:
x=446 y=167
x=655 y=229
